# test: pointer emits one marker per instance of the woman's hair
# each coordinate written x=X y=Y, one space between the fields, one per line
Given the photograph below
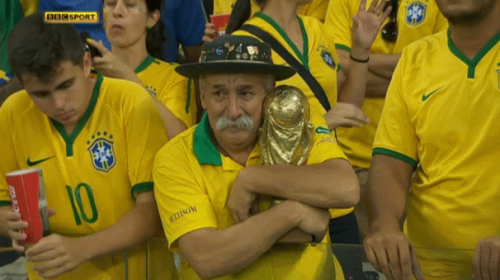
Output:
x=155 y=36
x=241 y=12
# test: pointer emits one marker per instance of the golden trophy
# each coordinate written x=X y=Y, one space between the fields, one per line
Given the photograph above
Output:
x=286 y=136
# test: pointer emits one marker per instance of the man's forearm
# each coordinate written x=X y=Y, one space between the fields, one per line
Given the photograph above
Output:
x=331 y=184
x=383 y=64
x=388 y=191
x=354 y=88
x=138 y=225
x=214 y=253
x=376 y=86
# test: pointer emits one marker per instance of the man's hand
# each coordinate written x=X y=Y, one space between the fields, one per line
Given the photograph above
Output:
x=486 y=262
x=15 y=225
x=367 y=23
x=345 y=115
x=391 y=253
x=210 y=32
x=314 y=220
x=241 y=199
x=60 y=255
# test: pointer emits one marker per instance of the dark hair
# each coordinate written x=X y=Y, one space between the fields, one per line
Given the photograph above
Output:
x=241 y=12
x=39 y=48
x=155 y=36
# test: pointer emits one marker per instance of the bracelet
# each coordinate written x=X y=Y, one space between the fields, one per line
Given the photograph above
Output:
x=359 y=60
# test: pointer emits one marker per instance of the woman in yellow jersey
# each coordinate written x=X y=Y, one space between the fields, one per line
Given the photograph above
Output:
x=135 y=33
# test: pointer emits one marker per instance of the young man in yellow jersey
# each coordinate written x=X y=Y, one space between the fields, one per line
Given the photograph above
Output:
x=441 y=119
x=95 y=140
x=409 y=21
x=208 y=177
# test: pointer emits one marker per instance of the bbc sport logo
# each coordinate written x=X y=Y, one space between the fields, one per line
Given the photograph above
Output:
x=71 y=17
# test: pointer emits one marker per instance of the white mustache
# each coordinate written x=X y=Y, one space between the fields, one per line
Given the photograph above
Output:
x=244 y=122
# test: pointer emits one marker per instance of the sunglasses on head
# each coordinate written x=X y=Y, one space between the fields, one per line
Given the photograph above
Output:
x=390 y=29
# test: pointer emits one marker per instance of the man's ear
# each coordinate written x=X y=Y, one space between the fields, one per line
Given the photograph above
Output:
x=87 y=64
x=202 y=96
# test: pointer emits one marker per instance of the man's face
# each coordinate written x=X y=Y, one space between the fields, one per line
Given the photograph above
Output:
x=234 y=107
x=466 y=12
x=66 y=96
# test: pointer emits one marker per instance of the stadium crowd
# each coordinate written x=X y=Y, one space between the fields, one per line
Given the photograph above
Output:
x=383 y=114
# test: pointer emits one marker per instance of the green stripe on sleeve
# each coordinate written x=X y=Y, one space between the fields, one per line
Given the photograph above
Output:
x=342 y=47
x=396 y=155
x=188 y=99
x=141 y=187
x=5 y=202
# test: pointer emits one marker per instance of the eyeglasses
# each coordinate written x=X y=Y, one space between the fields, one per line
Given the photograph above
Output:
x=390 y=29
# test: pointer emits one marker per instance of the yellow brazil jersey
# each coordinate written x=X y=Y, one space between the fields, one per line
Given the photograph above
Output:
x=91 y=176
x=171 y=89
x=226 y=6
x=193 y=181
x=416 y=19
x=441 y=116
x=316 y=9
x=319 y=57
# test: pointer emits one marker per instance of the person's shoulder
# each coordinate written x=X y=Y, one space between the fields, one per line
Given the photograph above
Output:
x=18 y=103
x=120 y=95
x=427 y=46
x=179 y=148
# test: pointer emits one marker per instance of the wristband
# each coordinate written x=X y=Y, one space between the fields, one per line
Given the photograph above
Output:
x=359 y=60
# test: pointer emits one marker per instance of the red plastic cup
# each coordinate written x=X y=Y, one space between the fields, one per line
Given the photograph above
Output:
x=220 y=22
x=27 y=194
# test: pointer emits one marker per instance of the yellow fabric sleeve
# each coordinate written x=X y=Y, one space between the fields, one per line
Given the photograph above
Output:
x=183 y=204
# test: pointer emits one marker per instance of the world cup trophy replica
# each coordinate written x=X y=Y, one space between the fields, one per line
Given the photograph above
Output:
x=286 y=136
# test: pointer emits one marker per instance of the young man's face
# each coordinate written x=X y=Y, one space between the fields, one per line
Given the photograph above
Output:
x=464 y=12
x=65 y=98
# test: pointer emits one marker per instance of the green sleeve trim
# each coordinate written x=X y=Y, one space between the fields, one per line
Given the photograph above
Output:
x=141 y=187
x=342 y=47
x=5 y=202
x=396 y=155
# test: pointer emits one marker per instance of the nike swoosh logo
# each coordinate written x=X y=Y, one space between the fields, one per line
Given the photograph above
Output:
x=425 y=97
x=33 y=163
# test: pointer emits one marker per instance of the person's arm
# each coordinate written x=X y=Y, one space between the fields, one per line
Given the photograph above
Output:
x=217 y=252
x=378 y=80
x=9 y=88
x=388 y=191
x=331 y=184
x=61 y=254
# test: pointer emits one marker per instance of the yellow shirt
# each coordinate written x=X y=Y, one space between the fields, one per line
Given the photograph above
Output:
x=171 y=89
x=193 y=181
x=29 y=6
x=316 y=9
x=319 y=57
x=441 y=116
x=416 y=19
x=91 y=176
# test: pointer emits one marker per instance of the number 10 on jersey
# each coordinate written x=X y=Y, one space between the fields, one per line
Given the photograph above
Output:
x=75 y=197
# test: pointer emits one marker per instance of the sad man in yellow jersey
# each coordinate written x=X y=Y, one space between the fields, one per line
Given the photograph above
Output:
x=95 y=140
x=409 y=21
x=441 y=118
x=207 y=179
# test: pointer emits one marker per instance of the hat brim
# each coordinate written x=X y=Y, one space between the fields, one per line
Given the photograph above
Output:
x=194 y=70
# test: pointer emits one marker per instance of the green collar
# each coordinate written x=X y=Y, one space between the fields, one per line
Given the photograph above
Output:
x=304 y=58
x=144 y=64
x=475 y=61
x=70 y=139
x=203 y=146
